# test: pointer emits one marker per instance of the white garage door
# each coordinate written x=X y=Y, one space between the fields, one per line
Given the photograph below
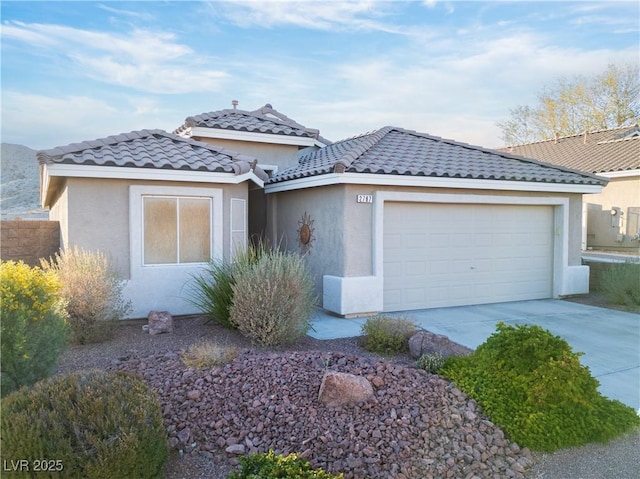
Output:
x=455 y=254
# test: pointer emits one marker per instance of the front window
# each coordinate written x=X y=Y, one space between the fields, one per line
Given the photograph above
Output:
x=176 y=230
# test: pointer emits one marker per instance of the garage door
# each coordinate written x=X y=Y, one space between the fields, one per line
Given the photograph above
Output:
x=439 y=255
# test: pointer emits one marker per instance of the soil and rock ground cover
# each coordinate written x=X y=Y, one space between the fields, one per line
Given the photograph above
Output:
x=418 y=426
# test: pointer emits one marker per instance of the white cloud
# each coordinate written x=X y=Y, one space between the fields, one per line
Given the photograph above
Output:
x=142 y=60
x=316 y=15
x=42 y=122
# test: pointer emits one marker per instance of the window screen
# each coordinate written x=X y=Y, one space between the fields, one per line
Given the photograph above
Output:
x=176 y=230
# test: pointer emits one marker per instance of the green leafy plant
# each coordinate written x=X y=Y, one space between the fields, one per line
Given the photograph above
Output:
x=206 y=354
x=387 y=334
x=93 y=291
x=212 y=290
x=33 y=331
x=620 y=283
x=276 y=466
x=96 y=424
x=273 y=299
x=431 y=362
x=532 y=384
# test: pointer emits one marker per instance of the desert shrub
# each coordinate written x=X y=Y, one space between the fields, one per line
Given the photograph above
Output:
x=620 y=283
x=97 y=424
x=206 y=354
x=532 y=384
x=387 y=334
x=212 y=290
x=276 y=466
x=430 y=362
x=33 y=330
x=273 y=299
x=92 y=289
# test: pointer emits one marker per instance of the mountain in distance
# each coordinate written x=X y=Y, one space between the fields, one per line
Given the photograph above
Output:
x=20 y=183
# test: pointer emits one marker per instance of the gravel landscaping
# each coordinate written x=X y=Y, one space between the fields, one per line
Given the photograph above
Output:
x=418 y=425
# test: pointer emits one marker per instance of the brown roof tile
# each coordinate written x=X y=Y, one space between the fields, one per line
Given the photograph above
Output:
x=616 y=149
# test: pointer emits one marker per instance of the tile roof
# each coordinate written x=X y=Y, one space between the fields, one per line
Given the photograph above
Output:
x=616 y=149
x=263 y=120
x=396 y=151
x=152 y=149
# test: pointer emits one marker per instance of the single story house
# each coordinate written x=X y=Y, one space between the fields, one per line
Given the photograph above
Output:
x=611 y=220
x=389 y=220
x=159 y=205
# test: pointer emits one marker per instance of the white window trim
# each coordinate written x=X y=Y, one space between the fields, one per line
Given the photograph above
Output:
x=136 y=236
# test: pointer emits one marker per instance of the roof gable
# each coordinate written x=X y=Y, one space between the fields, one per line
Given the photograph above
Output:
x=263 y=120
x=396 y=151
x=603 y=151
x=152 y=149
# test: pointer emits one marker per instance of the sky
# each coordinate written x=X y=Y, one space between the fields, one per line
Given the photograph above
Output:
x=77 y=70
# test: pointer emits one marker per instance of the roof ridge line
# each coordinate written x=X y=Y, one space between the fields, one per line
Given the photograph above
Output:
x=575 y=135
x=352 y=154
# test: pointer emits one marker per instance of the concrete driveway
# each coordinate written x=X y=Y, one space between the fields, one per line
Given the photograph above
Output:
x=609 y=339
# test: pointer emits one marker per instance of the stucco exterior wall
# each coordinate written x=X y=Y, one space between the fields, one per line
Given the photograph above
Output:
x=607 y=232
x=342 y=257
x=282 y=156
x=324 y=206
x=94 y=214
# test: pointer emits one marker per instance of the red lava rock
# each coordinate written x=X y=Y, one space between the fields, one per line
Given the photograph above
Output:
x=419 y=425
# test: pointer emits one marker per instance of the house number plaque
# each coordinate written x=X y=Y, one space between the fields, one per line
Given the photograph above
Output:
x=364 y=199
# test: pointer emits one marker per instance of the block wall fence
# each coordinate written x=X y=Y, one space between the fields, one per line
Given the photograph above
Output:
x=29 y=240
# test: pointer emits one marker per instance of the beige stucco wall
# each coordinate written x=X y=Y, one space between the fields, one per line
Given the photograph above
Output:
x=283 y=156
x=602 y=231
x=324 y=206
x=344 y=229
x=94 y=214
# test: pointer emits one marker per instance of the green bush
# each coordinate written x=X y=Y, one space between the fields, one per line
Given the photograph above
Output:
x=620 y=284
x=276 y=466
x=212 y=291
x=33 y=330
x=387 y=334
x=530 y=383
x=96 y=424
x=92 y=289
x=273 y=299
x=431 y=362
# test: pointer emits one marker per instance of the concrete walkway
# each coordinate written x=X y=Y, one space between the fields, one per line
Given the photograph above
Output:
x=609 y=339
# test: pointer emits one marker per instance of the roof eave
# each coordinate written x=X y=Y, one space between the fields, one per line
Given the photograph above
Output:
x=222 y=134
x=429 y=182
x=150 y=174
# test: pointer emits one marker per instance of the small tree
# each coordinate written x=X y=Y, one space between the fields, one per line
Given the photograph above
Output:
x=572 y=106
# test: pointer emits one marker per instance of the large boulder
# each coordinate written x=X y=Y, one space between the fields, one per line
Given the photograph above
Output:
x=425 y=342
x=160 y=322
x=339 y=389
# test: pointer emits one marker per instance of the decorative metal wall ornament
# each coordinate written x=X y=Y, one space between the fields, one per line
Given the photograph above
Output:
x=305 y=233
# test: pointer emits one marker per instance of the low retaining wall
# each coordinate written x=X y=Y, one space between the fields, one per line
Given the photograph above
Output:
x=28 y=241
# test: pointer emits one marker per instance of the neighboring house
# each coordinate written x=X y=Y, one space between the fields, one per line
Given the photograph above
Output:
x=159 y=205
x=612 y=218
x=391 y=220
x=398 y=220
